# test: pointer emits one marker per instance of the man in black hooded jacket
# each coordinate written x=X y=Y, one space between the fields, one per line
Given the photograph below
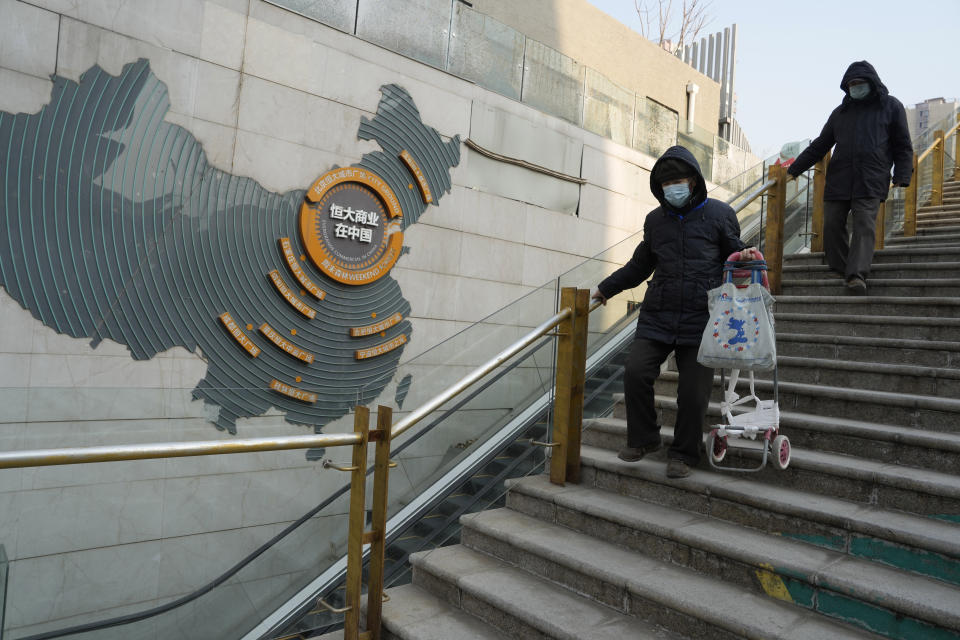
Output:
x=685 y=242
x=870 y=132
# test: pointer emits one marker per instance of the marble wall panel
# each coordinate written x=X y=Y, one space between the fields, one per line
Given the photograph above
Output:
x=28 y=38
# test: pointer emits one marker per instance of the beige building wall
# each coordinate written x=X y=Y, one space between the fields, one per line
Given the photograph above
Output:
x=579 y=30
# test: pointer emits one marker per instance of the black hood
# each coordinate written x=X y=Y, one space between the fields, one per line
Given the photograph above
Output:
x=699 y=190
x=865 y=70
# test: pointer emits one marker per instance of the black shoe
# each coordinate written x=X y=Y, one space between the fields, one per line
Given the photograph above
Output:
x=677 y=469
x=856 y=285
x=632 y=454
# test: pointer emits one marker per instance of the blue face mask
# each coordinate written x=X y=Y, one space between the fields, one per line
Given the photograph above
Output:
x=677 y=194
x=859 y=91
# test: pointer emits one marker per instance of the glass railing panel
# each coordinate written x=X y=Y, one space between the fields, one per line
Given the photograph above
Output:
x=700 y=143
x=486 y=51
x=608 y=108
x=654 y=127
x=93 y=541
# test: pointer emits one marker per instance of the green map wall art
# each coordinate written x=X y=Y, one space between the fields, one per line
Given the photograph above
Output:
x=113 y=225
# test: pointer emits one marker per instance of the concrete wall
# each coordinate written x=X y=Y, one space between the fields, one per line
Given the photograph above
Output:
x=583 y=32
x=276 y=97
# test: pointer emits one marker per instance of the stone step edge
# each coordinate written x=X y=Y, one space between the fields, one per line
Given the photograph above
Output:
x=937 y=440
x=877 y=266
x=730 y=607
x=849 y=300
x=944 y=485
x=913 y=479
x=886 y=398
x=869 y=341
x=543 y=617
x=869 y=319
x=875 y=282
x=903 y=528
x=410 y=606
x=913 y=370
x=886 y=251
x=885 y=587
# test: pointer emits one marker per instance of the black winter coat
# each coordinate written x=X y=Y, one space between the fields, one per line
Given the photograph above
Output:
x=684 y=249
x=870 y=135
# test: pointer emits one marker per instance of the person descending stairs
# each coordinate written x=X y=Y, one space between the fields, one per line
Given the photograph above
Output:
x=858 y=538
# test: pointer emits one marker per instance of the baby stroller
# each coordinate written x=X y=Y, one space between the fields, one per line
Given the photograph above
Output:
x=736 y=324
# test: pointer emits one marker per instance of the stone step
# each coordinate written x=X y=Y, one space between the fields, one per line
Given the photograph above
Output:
x=899 y=254
x=926 y=239
x=877 y=285
x=852 y=589
x=679 y=599
x=519 y=604
x=883 y=407
x=937 y=215
x=883 y=270
x=874 y=376
x=906 y=541
x=934 y=228
x=947 y=207
x=926 y=492
x=869 y=305
x=413 y=613
x=873 y=326
x=887 y=444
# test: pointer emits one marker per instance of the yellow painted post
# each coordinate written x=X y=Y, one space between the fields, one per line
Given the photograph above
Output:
x=773 y=237
x=819 y=186
x=563 y=390
x=910 y=203
x=358 y=481
x=881 y=226
x=956 y=150
x=378 y=526
x=936 y=195
x=577 y=381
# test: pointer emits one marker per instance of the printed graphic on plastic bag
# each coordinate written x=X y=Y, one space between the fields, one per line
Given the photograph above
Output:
x=739 y=334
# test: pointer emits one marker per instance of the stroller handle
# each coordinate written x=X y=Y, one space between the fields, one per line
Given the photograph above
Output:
x=756 y=269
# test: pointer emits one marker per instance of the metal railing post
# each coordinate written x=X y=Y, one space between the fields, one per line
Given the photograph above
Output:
x=881 y=227
x=773 y=238
x=378 y=525
x=910 y=202
x=355 y=534
x=936 y=195
x=819 y=186
x=564 y=389
x=581 y=317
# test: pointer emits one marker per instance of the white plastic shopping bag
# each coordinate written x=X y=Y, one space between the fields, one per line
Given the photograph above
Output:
x=739 y=334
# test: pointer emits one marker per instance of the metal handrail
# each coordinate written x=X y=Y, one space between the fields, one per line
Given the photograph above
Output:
x=75 y=455
x=933 y=146
x=753 y=195
x=458 y=387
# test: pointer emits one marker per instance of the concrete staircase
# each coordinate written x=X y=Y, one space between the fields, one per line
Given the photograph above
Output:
x=858 y=538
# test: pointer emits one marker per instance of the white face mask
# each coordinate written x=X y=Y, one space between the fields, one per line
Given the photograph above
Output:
x=859 y=91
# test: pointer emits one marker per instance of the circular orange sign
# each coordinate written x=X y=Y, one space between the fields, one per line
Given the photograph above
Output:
x=351 y=225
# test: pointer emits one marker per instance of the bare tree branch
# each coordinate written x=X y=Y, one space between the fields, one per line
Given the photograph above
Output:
x=692 y=19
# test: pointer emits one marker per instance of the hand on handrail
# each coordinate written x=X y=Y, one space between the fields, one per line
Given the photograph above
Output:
x=597 y=297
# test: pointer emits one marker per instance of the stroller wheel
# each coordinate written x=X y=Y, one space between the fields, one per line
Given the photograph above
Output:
x=781 y=452
x=717 y=446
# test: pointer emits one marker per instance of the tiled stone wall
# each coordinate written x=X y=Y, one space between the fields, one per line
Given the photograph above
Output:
x=276 y=97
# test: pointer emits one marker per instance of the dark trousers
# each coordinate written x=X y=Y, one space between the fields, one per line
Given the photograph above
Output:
x=693 y=396
x=850 y=257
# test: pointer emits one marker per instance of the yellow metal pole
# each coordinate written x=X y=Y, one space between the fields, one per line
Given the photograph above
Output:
x=910 y=203
x=881 y=226
x=563 y=390
x=581 y=317
x=773 y=237
x=819 y=186
x=936 y=195
x=358 y=481
x=956 y=150
x=378 y=526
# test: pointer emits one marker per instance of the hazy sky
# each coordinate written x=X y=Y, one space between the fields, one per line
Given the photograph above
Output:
x=791 y=56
